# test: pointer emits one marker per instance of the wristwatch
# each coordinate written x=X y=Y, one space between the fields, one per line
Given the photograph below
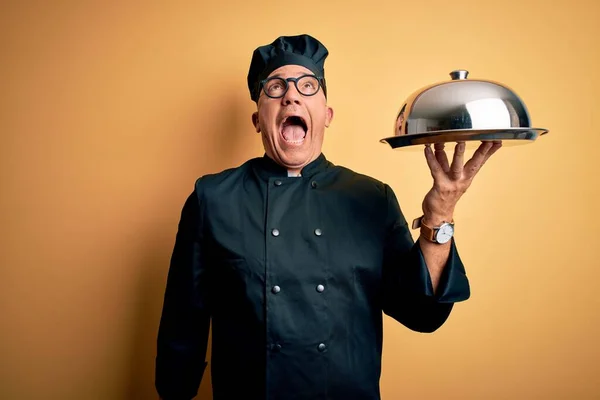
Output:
x=439 y=234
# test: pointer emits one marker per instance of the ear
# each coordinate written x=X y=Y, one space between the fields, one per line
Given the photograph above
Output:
x=328 y=116
x=255 y=121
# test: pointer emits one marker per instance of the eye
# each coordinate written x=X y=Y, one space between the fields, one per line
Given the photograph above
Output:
x=308 y=85
x=275 y=86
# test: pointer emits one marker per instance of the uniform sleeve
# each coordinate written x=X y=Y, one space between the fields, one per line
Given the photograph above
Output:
x=185 y=321
x=408 y=293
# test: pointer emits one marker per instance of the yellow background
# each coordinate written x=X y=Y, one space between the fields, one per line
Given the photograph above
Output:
x=110 y=111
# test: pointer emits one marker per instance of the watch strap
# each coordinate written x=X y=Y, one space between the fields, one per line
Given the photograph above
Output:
x=427 y=232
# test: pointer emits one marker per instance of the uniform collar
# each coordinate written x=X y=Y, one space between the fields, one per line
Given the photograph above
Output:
x=267 y=168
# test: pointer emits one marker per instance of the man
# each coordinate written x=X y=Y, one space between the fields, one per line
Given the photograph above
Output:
x=294 y=259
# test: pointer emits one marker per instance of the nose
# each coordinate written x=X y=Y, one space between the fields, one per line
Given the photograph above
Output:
x=291 y=96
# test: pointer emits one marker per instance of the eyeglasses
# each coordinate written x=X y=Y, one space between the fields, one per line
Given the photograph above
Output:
x=306 y=85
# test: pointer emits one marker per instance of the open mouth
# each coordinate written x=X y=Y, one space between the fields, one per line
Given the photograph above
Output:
x=293 y=129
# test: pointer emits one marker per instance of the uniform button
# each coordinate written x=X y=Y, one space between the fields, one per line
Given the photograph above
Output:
x=318 y=232
x=321 y=347
x=276 y=347
x=320 y=288
x=277 y=182
x=275 y=232
x=314 y=184
x=276 y=289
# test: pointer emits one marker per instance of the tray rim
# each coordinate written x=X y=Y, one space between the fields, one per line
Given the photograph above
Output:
x=460 y=134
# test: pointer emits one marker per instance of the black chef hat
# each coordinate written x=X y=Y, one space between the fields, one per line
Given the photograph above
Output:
x=301 y=50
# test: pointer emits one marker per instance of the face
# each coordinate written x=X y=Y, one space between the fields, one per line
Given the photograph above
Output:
x=293 y=126
x=399 y=122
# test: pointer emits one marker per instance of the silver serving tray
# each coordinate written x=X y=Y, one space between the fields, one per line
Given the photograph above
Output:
x=514 y=135
x=463 y=110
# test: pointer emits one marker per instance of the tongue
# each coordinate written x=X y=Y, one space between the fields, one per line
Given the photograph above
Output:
x=293 y=133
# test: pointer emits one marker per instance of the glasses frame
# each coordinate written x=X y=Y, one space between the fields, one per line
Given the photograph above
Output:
x=320 y=80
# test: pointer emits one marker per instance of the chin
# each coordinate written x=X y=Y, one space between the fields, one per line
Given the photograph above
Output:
x=294 y=160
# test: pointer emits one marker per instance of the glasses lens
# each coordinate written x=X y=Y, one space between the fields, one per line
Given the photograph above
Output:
x=275 y=87
x=308 y=85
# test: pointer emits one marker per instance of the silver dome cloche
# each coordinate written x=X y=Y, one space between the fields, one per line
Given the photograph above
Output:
x=463 y=109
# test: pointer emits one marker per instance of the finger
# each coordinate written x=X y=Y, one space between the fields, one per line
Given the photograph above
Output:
x=497 y=144
x=432 y=162
x=441 y=157
x=476 y=162
x=457 y=161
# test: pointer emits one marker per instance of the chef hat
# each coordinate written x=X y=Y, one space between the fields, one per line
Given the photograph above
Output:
x=303 y=50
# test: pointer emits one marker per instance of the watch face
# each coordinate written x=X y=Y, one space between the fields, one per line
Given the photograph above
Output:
x=445 y=233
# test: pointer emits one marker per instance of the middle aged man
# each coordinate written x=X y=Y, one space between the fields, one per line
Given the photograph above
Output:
x=294 y=258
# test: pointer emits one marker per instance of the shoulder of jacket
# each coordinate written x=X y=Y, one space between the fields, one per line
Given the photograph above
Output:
x=347 y=174
x=209 y=181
